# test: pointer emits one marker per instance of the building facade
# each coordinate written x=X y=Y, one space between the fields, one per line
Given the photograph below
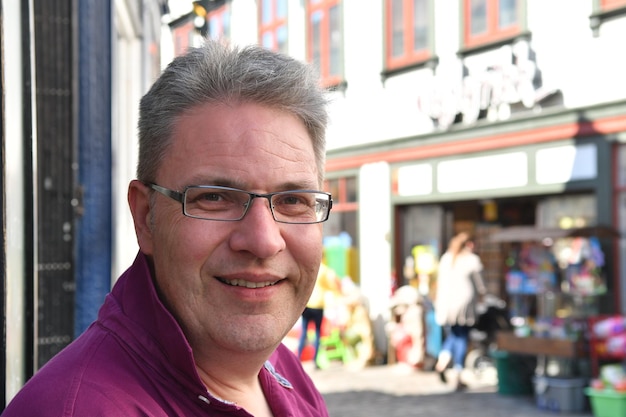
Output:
x=458 y=115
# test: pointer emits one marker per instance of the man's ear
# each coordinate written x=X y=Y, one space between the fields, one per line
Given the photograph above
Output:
x=139 y=202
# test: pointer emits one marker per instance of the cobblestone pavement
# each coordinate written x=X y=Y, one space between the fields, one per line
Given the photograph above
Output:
x=397 y=391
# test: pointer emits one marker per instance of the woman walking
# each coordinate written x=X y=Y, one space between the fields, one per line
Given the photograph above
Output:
x=459 y=288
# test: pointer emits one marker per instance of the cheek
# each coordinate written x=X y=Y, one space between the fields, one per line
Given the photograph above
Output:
x=179 y=239
x=181 y=252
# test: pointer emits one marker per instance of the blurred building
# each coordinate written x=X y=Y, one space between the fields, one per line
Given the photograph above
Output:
x=457 y=115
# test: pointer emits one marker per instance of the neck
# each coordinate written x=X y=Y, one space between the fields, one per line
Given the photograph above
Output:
x=243 y=390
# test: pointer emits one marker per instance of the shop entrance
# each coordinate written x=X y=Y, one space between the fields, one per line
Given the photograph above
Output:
x=536 y=277
x=423 y=232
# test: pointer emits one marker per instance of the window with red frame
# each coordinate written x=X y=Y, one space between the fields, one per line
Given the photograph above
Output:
x=344 y=215
x=344 y=193
x=488 y=21
x=219 y=23
x=407 y=32
x=325 y=48
x=604 y=10
x=273 y=25
x=606 y=5
x=183 y=36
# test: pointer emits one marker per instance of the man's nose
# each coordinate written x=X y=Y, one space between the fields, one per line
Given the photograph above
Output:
x=258 y=232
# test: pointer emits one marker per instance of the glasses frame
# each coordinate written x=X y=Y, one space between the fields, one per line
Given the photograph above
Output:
x=180 y=197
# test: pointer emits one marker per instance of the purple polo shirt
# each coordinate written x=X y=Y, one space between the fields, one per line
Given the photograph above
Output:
x=135 y=361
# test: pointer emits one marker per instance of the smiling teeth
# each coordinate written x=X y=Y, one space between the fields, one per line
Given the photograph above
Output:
x=248 y=284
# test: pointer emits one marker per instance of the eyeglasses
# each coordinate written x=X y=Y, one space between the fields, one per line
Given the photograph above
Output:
x=211 y=202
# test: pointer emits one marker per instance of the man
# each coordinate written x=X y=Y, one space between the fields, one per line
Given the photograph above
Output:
x=228 y=218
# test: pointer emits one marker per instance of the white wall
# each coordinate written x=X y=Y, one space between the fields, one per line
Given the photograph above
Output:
x=14 y=183
x=587 y=69
x=127 y=86
x=244 y=30
x=134 y=70
x=375 y=246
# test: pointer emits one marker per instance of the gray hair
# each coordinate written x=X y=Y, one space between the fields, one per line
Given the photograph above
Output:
x=217 y=73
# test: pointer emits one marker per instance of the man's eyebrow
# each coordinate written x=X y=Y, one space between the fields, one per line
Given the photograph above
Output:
x=220 y=181
x=298 y=186
x=229 y=182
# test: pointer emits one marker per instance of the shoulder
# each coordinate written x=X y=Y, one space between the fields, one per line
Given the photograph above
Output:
x=57 y=388
x=475 y=261
x=93 y=376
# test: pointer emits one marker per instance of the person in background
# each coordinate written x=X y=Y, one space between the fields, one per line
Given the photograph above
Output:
x=326 y=283
x=460 y=287
x=228 y=216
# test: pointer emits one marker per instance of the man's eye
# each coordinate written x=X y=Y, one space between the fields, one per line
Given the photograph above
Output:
x=292 y=199
x=209 y=197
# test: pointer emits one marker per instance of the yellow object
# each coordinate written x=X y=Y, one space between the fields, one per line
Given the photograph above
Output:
x=198 y=9
x=425 y=259
x=325 y=283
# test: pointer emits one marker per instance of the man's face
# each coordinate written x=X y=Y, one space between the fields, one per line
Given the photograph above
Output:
x=204 y=269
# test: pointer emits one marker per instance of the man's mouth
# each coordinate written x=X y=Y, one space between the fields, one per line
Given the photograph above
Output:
x=247 y=284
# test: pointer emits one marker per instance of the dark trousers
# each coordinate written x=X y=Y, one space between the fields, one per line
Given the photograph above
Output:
x=315 y=315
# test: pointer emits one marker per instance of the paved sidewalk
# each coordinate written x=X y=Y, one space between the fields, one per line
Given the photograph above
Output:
x=397 y=391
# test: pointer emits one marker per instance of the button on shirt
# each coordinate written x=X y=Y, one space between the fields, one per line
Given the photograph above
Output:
x=135 y=361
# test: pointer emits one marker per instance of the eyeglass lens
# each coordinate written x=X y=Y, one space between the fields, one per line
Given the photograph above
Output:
x=229 y=204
